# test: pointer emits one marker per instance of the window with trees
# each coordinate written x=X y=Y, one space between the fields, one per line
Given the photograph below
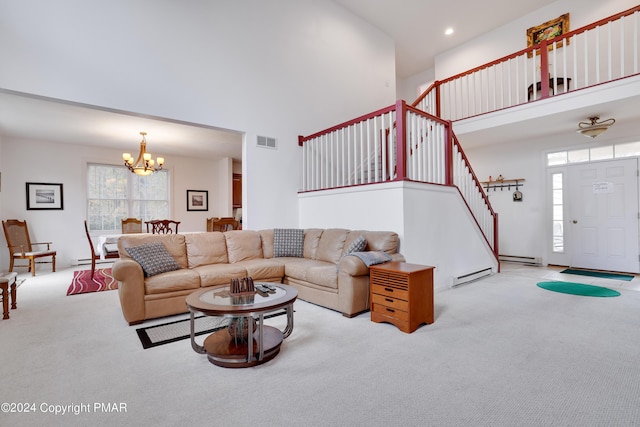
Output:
x=114 y=193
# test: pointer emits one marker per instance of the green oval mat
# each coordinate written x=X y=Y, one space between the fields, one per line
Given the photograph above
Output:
x=578 y=289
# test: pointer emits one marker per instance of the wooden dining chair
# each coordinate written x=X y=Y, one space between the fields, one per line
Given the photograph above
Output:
x=131 y=225
x=162 y=226
x=109 y=253
x=222 y=224
x=20 y=246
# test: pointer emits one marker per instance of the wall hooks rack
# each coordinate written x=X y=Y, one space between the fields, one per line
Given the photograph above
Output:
x=502 y=184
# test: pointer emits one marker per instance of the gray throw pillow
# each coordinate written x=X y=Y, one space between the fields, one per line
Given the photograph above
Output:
x=357 y=245
x=288 y=242
x=154 y=258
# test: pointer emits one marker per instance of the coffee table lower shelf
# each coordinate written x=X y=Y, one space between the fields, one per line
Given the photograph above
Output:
x=222 y=349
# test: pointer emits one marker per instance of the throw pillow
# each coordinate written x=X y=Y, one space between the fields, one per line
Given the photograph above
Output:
x=154 y=258
x=288 y=242
x=357 y=245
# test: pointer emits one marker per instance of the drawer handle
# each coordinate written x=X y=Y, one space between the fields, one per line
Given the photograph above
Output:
x=388 y=299
x=388 y=289
x=391 y=310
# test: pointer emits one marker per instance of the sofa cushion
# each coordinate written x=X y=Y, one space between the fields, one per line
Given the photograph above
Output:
x=385 y=241
x=206 y=248
x=288 y=242
x=154 y=258
x=178 y=280
x=331 y=245
x=311 y=240
x=219 y=274
x=319 y=273
x=174 y=243
x=267 y=242
x=262 y=269
x=243 y=244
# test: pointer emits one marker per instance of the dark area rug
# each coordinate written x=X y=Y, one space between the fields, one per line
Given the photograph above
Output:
x=153 y=336
x=578 y=289
x=601 y=274
x=82 y=282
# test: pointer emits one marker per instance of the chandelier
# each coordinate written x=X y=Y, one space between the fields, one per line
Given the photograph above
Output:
x=144 y=164
x=594 y=128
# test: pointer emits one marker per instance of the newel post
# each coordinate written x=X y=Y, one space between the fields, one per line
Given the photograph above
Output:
x=544 y=70
x=448 y=153
x=496 y=249
x=401 y=140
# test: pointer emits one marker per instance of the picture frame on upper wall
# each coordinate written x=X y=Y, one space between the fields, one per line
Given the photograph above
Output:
x=547 y=31
x=197 y=200
x=44 y=196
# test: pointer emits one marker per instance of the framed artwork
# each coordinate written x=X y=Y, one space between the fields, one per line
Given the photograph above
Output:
x=197 y=200
x=42 y=196
x=547 y=31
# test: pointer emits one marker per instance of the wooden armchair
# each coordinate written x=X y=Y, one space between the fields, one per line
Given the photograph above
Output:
x=162 y=226
x=131 y=225
x=20 y=246
x=222 y=224
x=94 y=256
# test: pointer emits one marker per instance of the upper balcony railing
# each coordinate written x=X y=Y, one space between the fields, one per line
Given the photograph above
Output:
x=604 y=51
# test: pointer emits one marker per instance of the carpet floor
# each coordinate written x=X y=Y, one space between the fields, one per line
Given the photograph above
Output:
x=501 y=352
x=83 y=283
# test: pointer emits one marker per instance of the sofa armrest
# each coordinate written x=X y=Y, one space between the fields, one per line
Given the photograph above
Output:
x=354 y=266
x=130 y=276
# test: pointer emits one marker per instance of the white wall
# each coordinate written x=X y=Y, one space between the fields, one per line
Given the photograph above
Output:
x=444 y=237
x=408 y=88
x=279 y=68
x=23 y=161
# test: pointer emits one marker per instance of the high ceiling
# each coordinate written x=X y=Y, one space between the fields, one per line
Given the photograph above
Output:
x=418 y=26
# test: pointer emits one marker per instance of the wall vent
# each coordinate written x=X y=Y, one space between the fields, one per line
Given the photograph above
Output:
x=266 y=142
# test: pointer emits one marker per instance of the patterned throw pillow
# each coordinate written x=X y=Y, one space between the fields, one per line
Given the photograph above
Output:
x=357 y=245
x=154 y=258
x=288 y=242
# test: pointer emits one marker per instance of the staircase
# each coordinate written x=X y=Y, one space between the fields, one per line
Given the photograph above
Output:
x=416 y=142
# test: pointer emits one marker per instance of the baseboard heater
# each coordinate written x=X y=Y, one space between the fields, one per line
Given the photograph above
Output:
x=471 y=277
x=528 y=260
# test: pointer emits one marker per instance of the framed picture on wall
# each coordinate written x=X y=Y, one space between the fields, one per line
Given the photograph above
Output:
x=42 y=196
x=197 y=200
x=547 y=31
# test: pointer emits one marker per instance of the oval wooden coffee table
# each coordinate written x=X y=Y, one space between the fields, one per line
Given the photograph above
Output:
x=221 y=347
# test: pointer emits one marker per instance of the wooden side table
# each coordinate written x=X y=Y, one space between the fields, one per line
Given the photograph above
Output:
x=401 y=294
x=8 y=281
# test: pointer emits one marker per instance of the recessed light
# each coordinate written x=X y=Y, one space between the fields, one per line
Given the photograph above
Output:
x=448 y=31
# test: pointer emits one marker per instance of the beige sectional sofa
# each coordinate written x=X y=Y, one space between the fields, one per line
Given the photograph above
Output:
x=322 y=275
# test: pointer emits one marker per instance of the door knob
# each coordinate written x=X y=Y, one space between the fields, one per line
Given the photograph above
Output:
x=574 y=221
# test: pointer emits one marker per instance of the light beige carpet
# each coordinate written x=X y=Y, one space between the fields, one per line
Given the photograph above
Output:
x=502 y=352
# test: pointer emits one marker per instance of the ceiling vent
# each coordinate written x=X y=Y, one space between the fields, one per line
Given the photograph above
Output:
x=267 y=142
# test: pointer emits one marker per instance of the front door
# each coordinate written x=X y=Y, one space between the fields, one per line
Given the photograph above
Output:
x=603 y=215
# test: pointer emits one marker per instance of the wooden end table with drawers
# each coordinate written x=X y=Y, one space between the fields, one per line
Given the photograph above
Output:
x=401 y=294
